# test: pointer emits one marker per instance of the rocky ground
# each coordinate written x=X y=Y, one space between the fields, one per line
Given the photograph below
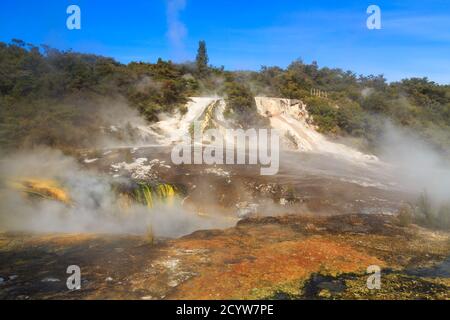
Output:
x=285 y=257
x=309 y=232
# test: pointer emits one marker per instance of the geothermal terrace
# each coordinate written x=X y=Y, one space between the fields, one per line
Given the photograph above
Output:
x=141 y=227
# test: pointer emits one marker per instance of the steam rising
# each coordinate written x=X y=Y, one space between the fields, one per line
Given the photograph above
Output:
x=176 y=29
x=406 y=160
x=95 y=207
x=418 y=167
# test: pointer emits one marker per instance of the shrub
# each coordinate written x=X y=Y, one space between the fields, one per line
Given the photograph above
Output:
x=405 y=216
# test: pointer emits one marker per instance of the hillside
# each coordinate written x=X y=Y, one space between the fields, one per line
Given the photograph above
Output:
x=64 y=99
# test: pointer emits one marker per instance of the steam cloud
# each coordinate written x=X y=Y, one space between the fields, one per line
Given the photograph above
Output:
x=176 y=29
x=407 y=160
x=95 y=206
x=418 y=167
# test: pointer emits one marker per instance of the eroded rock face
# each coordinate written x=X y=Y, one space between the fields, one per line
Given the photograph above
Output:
x=298 y=132
x=289 y=117
x=271 y=257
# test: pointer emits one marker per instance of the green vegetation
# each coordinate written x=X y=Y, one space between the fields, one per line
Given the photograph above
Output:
x=359 y=105
x=202 y=59
x=56 y=98
x=241 y=105
x=429 y=214
x=425 y=212
x=61 y=99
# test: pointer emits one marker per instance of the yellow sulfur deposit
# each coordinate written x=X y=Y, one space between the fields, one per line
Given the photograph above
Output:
x=208 y=118
x=48 y=189
x=148 y=195
x=166 y=192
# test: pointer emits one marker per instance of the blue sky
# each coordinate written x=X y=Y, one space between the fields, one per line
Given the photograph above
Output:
x=414 y=39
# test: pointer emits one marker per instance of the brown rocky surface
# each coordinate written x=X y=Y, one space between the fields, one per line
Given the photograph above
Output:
x=270 y=257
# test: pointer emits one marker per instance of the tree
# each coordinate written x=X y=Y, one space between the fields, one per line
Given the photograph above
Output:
x=202 y=58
